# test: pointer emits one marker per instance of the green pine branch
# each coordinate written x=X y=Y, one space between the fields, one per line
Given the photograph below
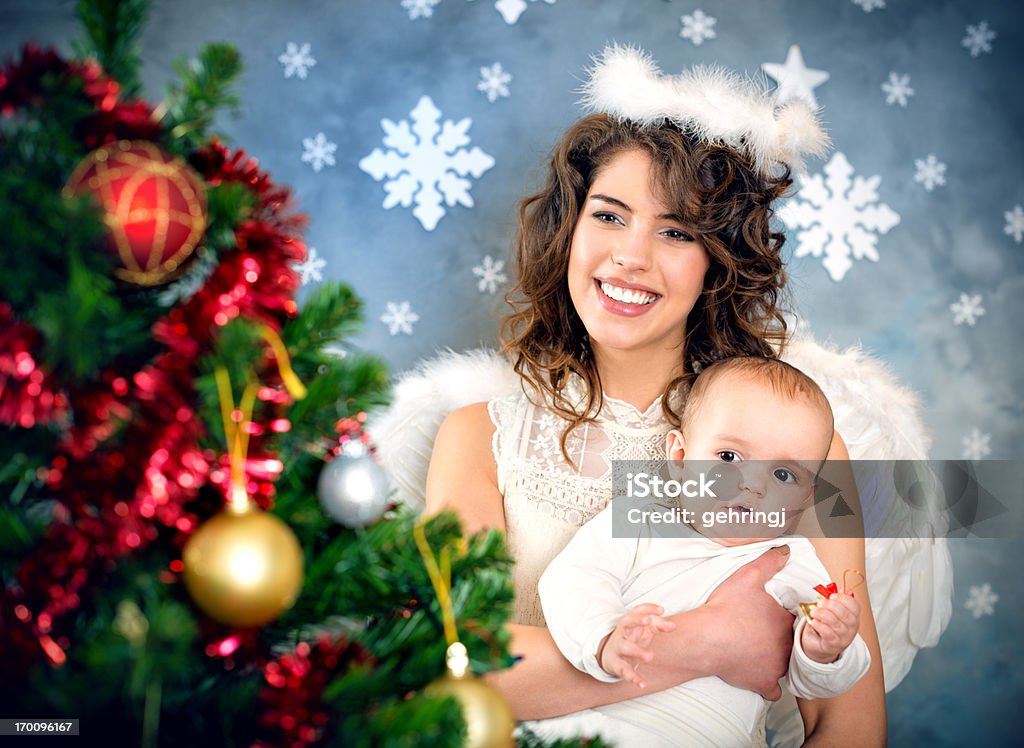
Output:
x=340 y=388
x=41 y=227
x=407 y=723
x=338 y=385
x=112 y=29
x=204 y=88
x=529 y=739
x=26 y=508
x=227 y=205
x=331 y=313
x=40 y=143
x=87 y=324
x=377 y=576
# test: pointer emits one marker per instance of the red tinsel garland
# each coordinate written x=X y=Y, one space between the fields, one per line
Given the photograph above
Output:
x=28 y=396
x=115 y=493
x=292 y=712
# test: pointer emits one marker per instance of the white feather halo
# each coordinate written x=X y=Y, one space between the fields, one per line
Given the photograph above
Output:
x=714 y=105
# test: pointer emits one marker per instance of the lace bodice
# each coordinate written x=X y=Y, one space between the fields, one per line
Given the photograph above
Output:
x=546 y=498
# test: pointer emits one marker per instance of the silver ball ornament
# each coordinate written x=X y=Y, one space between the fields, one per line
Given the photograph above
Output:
x=353 y=489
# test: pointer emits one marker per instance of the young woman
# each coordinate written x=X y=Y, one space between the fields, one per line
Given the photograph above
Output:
x=647 y=255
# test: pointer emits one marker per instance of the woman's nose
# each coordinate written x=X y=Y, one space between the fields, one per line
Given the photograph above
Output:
x=632 y=252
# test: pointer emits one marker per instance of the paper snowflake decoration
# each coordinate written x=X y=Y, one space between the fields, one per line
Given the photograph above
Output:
x=967 y=310
x=494 y=82
x=309 y=269
x=869 y=5
x=897 y=89
x=840 y=217
x=697 y=27
x=930 y=172
x=425 y=163
x=1014 y=223
x=399 y=318
x=490 y=275
x=511 y=9
x=296 y=60
x=982 y=601
x=318 y=151
x=420 y=8
x=976 y=445
x=979 y=39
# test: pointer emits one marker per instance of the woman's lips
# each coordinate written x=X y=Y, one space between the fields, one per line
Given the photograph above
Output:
x=619 y=307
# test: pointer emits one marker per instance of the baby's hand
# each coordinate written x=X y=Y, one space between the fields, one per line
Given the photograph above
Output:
x=625 y=647
x=832 y=629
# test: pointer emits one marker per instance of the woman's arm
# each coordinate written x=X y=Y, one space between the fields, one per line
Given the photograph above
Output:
x=718 y=638
x=857 y=717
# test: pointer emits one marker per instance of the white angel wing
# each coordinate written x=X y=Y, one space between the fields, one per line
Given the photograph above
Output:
x=909 y=570
x=404 y=433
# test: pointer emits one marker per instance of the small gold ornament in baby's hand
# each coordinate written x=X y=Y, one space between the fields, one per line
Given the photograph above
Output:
x=825 y=591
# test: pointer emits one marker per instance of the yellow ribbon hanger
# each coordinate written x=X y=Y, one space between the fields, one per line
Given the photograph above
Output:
x=235 y=433
x=456 y=657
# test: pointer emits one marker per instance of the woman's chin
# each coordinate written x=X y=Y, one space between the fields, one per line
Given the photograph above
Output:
x=627 y=339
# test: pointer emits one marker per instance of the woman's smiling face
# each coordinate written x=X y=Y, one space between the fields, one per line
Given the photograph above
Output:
x=635 y=270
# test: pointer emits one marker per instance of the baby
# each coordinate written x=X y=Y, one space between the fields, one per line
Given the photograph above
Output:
x=604 y=596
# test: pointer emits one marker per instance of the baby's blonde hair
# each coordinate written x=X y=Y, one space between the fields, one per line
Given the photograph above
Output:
x=783 y=379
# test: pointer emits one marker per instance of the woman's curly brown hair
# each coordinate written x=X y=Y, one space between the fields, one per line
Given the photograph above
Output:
x=716 y=192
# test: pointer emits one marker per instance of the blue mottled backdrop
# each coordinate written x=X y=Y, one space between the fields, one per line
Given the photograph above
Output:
x=410 y=128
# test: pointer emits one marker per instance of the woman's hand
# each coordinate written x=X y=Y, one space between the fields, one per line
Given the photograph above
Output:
x=751 y=636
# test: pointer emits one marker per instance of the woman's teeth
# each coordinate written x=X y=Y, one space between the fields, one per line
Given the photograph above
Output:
x=627 y=296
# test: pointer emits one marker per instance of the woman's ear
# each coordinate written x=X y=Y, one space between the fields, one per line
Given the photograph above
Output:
x=674 y=449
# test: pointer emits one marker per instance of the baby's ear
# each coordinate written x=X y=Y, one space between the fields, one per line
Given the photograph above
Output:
x=674 y=449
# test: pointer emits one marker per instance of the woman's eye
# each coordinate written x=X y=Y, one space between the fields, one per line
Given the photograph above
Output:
x=679 y=236
x=727 y=456
x=607 y=217
x=784 y=475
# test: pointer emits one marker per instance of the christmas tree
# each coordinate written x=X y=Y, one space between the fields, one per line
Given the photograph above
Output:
x=166 y=408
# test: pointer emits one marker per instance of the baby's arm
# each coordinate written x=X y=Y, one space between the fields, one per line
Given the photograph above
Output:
x=810 y=678
x=828 y=655
x=621 y=652
x=581 y=592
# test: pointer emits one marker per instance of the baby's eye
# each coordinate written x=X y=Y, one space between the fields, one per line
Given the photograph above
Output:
x=679 y=236
x=784 y=475
x=727 y=456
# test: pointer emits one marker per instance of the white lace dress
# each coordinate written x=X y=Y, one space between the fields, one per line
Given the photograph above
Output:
x=546 y=499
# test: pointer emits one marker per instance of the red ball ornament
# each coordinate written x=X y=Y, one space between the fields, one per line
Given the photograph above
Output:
x=154 y=206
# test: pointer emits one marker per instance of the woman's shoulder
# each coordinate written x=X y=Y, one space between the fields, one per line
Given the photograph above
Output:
x=466 y=436
x=469 y=421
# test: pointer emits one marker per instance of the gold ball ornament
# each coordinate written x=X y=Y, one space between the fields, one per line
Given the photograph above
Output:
x=243 y=568
x=154 y=207
x=488 y=717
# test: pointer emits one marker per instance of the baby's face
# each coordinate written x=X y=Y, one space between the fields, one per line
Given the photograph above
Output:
x=773 y=445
